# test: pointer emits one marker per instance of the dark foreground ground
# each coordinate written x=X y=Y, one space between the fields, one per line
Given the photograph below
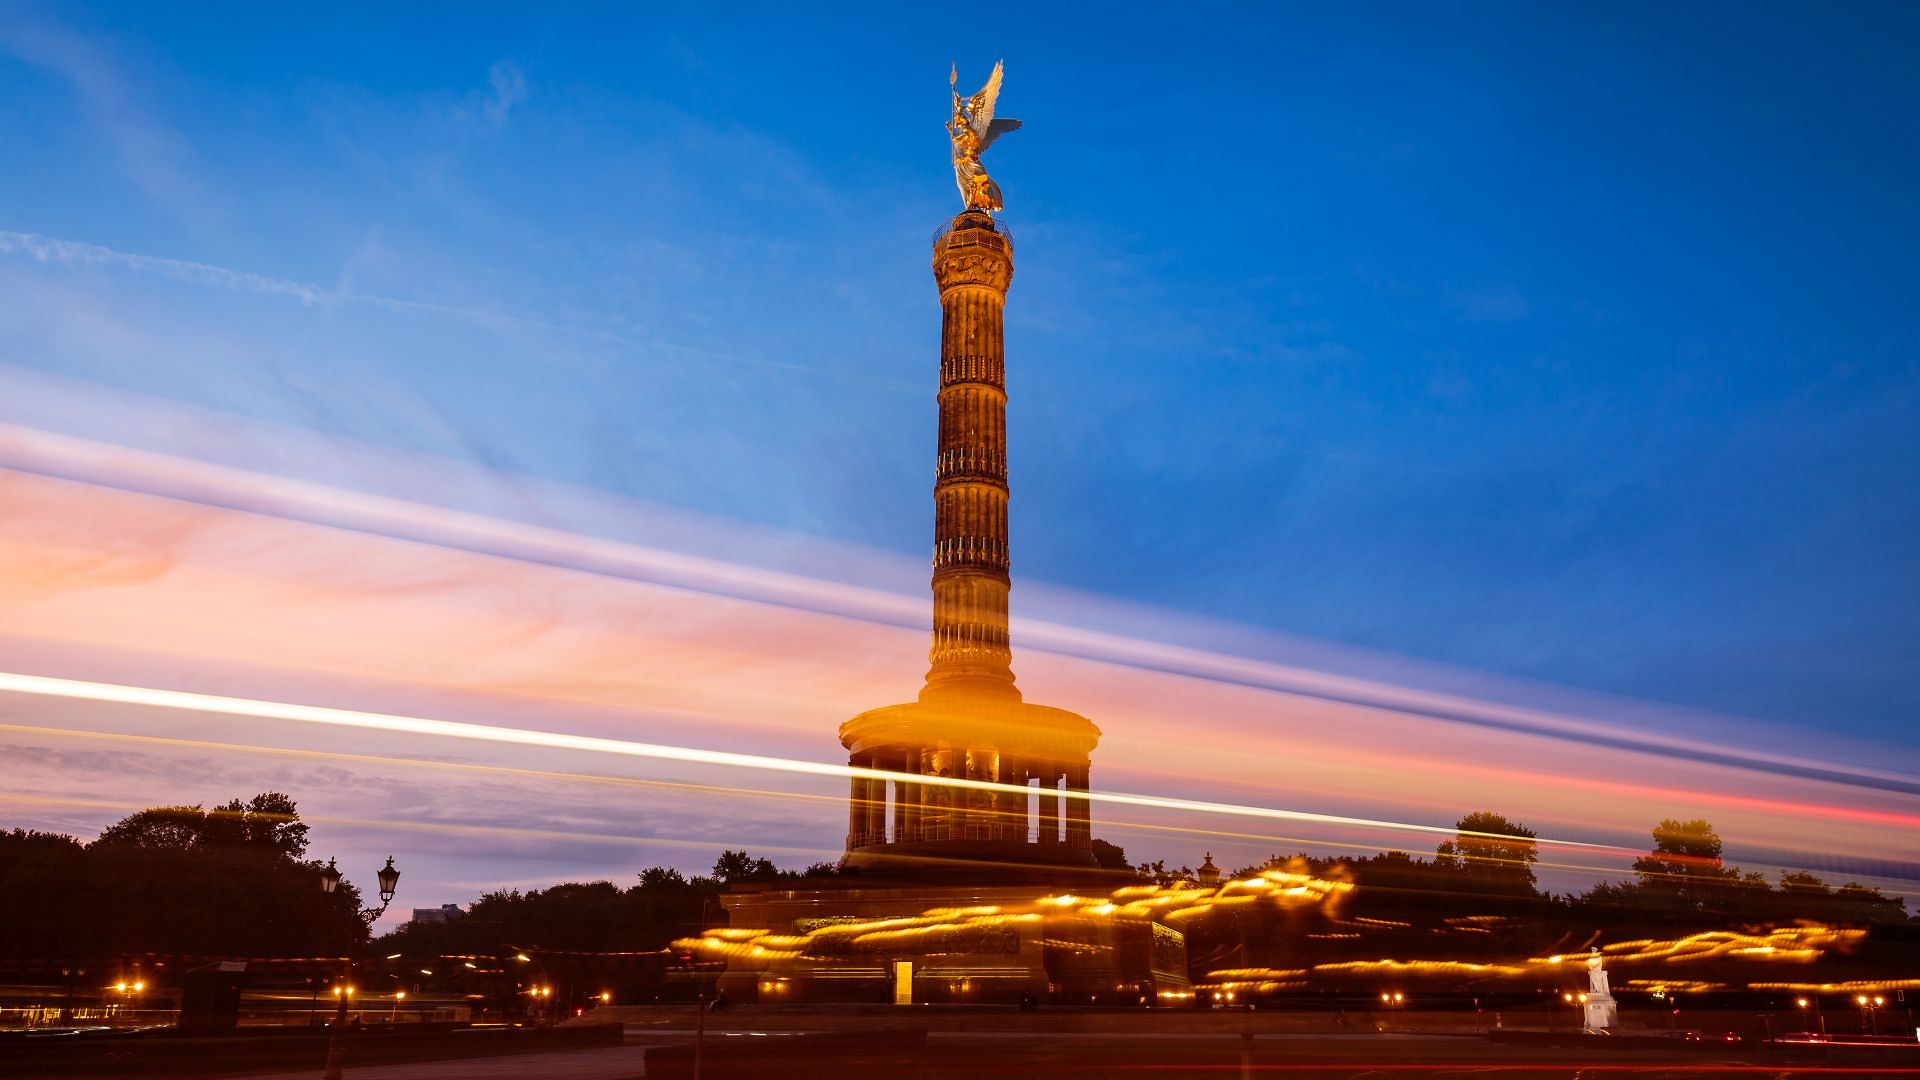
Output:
x=936 y=1045
x=947 y=1055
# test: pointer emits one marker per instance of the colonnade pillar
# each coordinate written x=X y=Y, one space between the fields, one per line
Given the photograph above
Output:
x=1079 y=811
x=875 y=825
x=1049 y=807
x=903 y=809
x=856 y=806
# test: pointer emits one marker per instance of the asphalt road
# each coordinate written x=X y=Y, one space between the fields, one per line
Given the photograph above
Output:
x=1020 y=1056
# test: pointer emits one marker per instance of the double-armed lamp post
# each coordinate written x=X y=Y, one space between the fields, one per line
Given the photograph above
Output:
x=329 y=882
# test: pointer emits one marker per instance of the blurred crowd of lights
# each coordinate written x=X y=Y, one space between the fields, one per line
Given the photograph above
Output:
x=1794 y=944
x=944 y=929
x=1789 y=945
x=1847 y=987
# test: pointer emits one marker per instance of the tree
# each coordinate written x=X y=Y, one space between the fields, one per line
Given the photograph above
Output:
x=734 y=867
x=44 y=887
x=1158 y=873
x=1857 y=903
x=175 y=880
x=1800 y=885
x=1110 y=856
x=1684 y=867
x=268 y=824
x=662 y=877
x=1492 y=854
x=160 y=828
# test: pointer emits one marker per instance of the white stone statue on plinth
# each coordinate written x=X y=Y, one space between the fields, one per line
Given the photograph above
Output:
x=1602 y=1012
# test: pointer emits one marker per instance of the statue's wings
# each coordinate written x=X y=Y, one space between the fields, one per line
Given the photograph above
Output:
x=980 y=107
x=995 y=130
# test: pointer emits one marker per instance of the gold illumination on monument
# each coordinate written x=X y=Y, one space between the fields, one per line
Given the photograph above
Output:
x=973 y=128
x=970 y=720
x=957 y=892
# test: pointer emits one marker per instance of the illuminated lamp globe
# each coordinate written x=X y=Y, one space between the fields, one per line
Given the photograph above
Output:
x=329 y=878
x=389 y=880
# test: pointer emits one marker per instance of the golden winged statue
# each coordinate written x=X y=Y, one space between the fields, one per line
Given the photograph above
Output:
x=974 y=128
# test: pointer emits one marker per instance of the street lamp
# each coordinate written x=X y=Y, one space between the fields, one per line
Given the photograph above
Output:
x=534 y=994
x=389 y=881
x=1869 y=1008
x=1819 y=1018
x=126 y=990
x=329 y=883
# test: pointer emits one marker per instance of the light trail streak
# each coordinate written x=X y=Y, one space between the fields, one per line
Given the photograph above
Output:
x=69 y=802
x=1799 y=945
x=188 y=701
x=169 y=476
x=517 y=772
x=127 y=469
x=452 y=827
x=720 y=790
x=563 y=775
x=1370 y=766
x=1138 y=903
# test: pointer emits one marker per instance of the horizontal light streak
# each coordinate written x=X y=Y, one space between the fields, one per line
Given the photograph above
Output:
x=566 y=775
x=516 y=832
x=188 y=701
x=129 y=469
x=1404 y=777
x=937 y=928
x=518 y=772
x=720 y=790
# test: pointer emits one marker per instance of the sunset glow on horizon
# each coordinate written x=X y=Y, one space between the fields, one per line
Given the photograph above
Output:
x=574 y=644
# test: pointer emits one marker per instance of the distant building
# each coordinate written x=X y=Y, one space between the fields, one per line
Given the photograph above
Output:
x=442 y=913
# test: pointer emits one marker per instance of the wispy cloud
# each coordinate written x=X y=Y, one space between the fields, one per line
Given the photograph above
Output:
x=151 y=153
x=69 y=253
x=509 y=89
x=53 y=250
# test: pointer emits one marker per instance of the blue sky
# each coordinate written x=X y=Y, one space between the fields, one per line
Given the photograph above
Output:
x=1573 y=346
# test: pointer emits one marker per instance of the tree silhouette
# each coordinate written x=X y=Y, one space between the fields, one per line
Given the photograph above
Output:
x=161 y=828
x=1492 y=854
x=734 y=867
x=1110 y=856
x=1685 y=868
x=174 y=879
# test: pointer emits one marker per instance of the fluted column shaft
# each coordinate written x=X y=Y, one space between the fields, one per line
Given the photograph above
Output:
x=973 y=265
